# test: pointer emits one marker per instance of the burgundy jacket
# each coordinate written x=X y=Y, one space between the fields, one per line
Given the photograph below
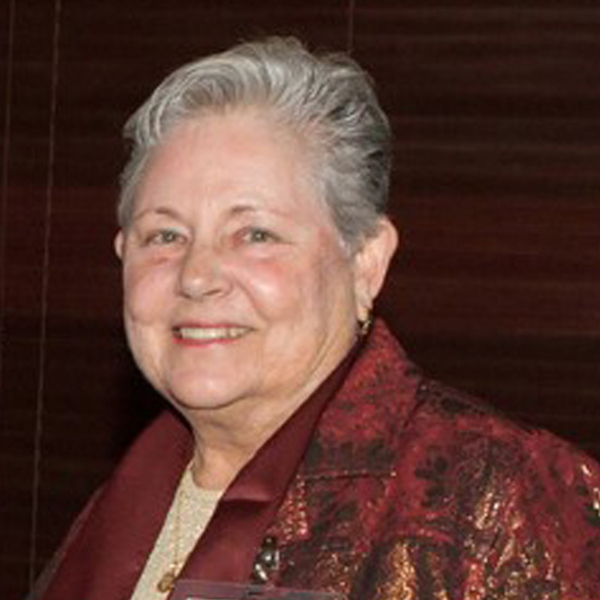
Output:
x=405 y=490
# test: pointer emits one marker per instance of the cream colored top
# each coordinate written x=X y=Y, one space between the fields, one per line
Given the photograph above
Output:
x=190 y=512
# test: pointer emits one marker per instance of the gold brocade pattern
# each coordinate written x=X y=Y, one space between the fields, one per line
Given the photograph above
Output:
x=588 y=476
x=336 y=572
x=495 y=554
x=292 y=524
x=487 y=509
x=596 y=500
x=403 y=585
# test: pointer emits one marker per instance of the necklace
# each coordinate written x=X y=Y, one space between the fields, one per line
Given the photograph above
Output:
x=191 y=510
x=167 y=582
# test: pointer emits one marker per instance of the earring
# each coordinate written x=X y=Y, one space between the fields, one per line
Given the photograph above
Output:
x=365 y=325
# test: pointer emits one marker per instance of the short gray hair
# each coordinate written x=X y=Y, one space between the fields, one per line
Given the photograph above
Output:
x=329 y=98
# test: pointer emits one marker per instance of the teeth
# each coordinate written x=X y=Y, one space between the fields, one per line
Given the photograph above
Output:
x=211 y=333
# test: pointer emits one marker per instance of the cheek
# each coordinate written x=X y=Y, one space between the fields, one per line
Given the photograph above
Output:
x=143 y=329
x=133 y=295
x=143 y=288
x=294 y=289
x=279 y=289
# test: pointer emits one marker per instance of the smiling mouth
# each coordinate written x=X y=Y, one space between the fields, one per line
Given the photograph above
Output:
x=210 y=334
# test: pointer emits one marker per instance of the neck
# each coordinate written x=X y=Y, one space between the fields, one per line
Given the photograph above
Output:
x=227 y=439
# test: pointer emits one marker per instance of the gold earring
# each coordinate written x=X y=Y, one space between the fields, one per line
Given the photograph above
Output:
x=365 y=325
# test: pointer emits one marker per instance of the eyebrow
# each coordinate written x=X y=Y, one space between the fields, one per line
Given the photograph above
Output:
x=161 y=210
x=241 y=209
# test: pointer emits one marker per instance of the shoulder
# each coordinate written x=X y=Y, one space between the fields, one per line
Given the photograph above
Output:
x=455 y=420
x=519 y=500
x=474 y=500
x=462 y=432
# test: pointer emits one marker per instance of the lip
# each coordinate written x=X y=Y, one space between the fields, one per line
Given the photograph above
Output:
x=202 y=334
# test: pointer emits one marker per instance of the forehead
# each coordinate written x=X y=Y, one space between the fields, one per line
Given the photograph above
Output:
x=245 y=137
x=234 y=155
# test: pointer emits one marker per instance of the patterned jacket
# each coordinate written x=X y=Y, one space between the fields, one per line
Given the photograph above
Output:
x=407 y=490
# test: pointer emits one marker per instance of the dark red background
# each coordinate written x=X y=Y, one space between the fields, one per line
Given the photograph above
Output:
x=496 y=110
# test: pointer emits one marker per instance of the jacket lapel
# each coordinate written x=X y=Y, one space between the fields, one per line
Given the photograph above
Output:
x=332 y=508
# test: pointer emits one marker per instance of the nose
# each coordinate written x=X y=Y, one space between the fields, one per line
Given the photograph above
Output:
x=202 y=273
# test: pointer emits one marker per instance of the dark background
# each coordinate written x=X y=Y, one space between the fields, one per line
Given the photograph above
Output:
x=496 y=110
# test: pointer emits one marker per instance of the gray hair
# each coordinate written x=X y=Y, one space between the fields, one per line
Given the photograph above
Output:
x=328 y=98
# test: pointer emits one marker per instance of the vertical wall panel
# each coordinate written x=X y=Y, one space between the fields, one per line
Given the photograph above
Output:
x=25 y=201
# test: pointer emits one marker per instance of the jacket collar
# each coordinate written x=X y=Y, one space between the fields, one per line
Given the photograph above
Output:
x=358 y=433
x=357 y=430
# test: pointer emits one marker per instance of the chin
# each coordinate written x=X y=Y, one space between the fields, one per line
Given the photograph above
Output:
x=209 y=395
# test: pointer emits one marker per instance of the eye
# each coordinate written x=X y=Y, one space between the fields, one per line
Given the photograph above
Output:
x=257 y=235
x=164 y=237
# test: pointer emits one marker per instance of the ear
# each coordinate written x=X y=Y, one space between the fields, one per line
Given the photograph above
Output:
x=371 y=264
x=119 y=244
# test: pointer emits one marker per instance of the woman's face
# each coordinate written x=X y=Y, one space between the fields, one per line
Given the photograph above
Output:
x=238 y=291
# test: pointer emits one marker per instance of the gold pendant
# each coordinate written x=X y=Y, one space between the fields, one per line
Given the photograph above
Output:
x=167 y=581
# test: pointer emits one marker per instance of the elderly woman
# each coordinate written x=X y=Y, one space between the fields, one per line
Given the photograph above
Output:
x=302 y=448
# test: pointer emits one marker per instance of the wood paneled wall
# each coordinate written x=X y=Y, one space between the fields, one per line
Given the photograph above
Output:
x=496 y=109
